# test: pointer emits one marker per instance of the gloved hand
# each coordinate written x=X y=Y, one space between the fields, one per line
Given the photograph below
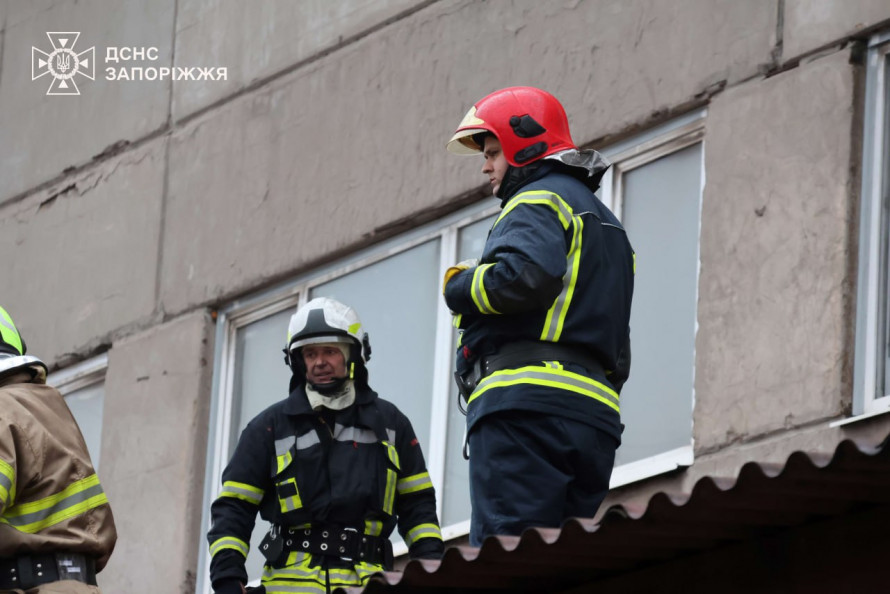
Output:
x=457 y=268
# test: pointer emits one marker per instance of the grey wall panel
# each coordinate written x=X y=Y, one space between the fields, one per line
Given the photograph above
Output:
x=84 y=254
x=40 y=135
x=775 y=282
x=254 y=40
x=809 y=25
x=157 y=393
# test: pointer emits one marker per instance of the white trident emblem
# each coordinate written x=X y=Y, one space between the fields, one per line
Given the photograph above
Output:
x=63 y=63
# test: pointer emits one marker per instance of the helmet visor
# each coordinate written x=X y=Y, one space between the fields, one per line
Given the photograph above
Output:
x=463 y=143
x=319 y=340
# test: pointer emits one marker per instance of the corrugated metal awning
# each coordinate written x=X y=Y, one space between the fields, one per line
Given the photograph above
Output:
x=763 y=499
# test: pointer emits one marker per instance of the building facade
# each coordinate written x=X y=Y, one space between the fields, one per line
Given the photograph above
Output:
x=222 y=163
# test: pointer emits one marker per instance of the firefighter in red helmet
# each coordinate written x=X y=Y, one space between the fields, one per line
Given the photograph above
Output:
x=544 y=317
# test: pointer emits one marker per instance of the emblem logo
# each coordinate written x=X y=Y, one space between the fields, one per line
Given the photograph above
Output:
x=63 y=63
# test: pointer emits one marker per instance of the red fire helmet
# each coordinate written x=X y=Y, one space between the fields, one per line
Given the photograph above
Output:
x=529 y=123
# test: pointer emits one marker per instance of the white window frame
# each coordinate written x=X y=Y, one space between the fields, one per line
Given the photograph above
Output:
x=81 y=375
x=293 y=293
x=626 y=156
x=868 y=400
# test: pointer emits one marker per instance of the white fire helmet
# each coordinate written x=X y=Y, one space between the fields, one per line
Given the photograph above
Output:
x=325 y=320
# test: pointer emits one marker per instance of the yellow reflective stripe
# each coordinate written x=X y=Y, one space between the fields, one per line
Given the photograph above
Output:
x=296 y=569
x=635 y=262
x=477 y=290
x=554 y=201
x=283 y=460
x=556 y=315
x=229 y=542
x=8 y=332
x=553 y=378
x=373 y=527
x=417 y=482
x=345 y=577
x=291 y=502
x=393 y=454
x=7 y=485
x=390 y=494
x=423 y=531
x=242 y=491
x=364 y=570
x=34 y=516
x=287 y=587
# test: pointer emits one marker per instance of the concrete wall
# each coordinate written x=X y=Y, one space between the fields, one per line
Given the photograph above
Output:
x=153 y=451
x=133 y=209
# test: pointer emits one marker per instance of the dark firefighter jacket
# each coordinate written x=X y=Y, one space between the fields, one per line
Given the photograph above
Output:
x=360 y=468
x=557 y=267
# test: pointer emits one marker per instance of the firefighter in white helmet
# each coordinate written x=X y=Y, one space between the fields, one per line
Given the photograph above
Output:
x=333 y=468
x=56 y=527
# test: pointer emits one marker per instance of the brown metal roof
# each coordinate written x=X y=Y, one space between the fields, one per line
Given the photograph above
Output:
x=764 y=498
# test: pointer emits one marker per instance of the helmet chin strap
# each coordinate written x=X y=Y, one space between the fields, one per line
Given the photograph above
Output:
x=344 y=397
x=331 y=388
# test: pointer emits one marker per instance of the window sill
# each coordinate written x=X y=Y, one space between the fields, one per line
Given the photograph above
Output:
x=857 y=418
x=649 y=467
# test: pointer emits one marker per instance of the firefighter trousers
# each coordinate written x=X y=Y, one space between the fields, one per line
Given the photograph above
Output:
x=533 y=470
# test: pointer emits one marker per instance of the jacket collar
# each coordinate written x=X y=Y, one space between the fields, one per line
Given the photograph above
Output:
x=297 y=402
x=588 y=166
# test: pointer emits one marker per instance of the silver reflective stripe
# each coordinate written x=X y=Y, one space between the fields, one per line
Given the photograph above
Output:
x=63 y=504
x=283 y=445
x=307 y=440
x=5 y=483
x=554 y=376
x=7 y=324
x=415 y=483
x=343 y=433
x=230 y=490
x=391 y=434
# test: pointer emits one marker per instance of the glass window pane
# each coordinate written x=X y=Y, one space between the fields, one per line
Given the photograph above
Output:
x=396 y=301
x=661 y=214
x=260 y=375
x=260 y=380
x=456 y=491
x=86 y=405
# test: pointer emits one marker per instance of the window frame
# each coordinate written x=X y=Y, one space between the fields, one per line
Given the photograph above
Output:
x=873 y=289
x=625 y=156
x=80 y=375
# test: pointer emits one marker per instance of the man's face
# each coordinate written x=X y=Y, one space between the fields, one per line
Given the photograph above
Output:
x=324 y=363
x=495 y=166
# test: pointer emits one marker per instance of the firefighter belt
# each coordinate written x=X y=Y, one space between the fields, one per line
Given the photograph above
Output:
x=348 y=544
x=29 y=571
